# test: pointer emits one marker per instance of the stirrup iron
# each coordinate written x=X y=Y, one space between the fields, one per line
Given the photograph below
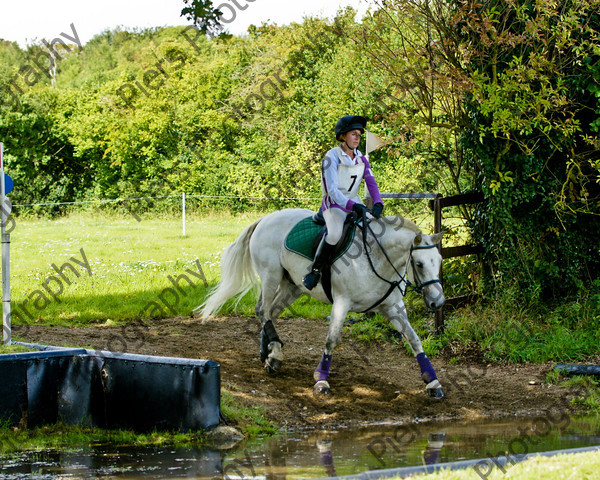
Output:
x=311 y=279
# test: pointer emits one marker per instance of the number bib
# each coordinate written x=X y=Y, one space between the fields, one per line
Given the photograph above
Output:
x=349 y=178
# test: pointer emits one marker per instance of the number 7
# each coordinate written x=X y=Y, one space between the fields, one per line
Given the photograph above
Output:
x=353 y=177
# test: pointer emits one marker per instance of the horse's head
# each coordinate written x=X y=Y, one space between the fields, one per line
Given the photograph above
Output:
x=424 y=269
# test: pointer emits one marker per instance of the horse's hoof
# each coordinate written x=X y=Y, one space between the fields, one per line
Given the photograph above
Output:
x=272 y=365
x=436 y=392
x=322 y=388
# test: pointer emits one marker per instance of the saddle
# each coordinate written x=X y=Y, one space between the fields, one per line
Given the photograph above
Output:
x=305 y=236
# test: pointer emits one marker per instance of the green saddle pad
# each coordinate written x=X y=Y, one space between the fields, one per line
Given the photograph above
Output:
x=301 y=239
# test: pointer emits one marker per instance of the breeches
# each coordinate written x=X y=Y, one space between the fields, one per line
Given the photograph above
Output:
x=334 y=219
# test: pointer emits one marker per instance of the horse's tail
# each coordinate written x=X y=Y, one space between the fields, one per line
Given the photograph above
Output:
x=238 y=276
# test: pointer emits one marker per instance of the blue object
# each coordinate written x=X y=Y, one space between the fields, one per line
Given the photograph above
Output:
x=427 y=371
x=8 y=184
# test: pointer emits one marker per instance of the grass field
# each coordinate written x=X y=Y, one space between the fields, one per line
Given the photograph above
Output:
x=83 y=270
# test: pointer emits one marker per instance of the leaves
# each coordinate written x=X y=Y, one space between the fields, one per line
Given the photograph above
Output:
x=203 y=14
x=501 y=96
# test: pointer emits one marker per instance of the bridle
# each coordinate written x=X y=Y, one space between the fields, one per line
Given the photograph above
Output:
x=417 y=287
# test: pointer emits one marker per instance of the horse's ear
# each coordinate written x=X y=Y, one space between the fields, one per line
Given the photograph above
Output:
x=437 y=238
x=418 y=239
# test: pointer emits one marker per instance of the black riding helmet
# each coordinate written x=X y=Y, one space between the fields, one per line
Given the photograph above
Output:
x=350 y=122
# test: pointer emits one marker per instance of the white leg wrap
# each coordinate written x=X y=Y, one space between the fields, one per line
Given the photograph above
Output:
x=322 y=384
x=275 y=351
x=433 y=384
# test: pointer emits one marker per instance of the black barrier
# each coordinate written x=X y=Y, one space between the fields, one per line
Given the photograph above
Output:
x=107 y=390
x=160 y=392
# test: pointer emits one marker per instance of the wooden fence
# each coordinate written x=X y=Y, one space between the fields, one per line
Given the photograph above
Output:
x=437 y=202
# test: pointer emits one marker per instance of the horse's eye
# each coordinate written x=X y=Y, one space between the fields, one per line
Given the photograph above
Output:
x=420 y=264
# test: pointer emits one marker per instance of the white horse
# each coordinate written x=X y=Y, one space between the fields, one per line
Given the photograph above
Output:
x=372 y=275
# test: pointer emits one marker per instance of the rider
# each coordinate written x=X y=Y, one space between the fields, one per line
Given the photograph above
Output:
x=342 y=172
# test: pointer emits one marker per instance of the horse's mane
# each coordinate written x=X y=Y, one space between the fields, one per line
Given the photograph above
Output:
x=404 y=223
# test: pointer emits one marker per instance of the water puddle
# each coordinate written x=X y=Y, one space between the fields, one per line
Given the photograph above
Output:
x=316 y=454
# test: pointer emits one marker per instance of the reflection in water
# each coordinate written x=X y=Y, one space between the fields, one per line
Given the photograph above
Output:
x=324 y=447
x=434 y=445
x=313 y=454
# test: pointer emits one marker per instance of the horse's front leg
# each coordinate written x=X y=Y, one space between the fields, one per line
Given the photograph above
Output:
x=399 y=318
x=334 y=335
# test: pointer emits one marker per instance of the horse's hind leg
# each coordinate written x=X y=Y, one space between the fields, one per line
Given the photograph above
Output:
x=270 y=343
x=287 y=293
x=271 y=353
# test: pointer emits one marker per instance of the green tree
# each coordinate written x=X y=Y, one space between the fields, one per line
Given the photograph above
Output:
x=38 y=154
x=409 y=43
x=516 y=86
x=156 y=111
x=203 y=14
x=533 y=66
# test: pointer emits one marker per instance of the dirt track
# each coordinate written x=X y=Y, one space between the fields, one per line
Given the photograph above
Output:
x=370 y=383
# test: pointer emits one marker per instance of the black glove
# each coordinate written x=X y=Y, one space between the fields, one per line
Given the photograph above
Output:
x=377 y=209
x=360 y=209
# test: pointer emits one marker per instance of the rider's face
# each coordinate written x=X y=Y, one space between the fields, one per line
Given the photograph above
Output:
x=352 y=138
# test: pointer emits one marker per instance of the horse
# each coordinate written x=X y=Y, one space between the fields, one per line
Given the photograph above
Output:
x=387 y=255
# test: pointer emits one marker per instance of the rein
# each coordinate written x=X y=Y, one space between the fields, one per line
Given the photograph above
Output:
x=393 y=284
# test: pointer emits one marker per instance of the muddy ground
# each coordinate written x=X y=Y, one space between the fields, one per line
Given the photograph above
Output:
x=370 y=382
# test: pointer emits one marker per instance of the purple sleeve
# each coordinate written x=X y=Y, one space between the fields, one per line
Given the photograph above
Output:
x=371 y=183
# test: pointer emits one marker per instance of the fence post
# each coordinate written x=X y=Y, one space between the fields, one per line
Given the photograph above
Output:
x=183 y=211
x=437 y=227
x=4 y=212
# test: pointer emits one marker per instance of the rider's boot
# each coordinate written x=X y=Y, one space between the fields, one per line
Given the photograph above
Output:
x=322 y=256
